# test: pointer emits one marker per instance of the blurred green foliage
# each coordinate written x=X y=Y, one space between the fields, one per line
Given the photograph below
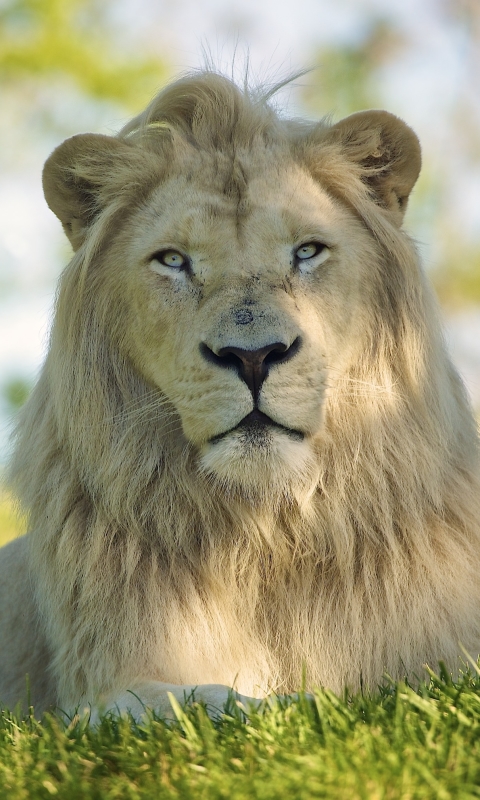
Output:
x=457 y=276
x=348 y=74
x=12 y=524
x=15 y=392
x=77 y=39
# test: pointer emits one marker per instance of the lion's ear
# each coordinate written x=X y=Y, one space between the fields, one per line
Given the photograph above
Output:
x=75 y=179
x=388 y=152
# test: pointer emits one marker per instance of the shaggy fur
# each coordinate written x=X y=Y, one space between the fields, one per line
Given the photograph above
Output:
x=171 y=547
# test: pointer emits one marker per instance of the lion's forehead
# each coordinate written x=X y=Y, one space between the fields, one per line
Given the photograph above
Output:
x=274 y=210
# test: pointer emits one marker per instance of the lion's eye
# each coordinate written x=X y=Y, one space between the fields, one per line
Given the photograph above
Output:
x=309 y=250
x=170 y=258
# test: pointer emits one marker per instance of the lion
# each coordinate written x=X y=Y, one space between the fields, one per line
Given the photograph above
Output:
x=248 y=463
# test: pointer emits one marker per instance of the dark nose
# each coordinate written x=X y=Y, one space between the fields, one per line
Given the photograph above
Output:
x=252 y=365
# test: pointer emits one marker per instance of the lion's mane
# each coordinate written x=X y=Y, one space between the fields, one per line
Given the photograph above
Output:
x=373 y=568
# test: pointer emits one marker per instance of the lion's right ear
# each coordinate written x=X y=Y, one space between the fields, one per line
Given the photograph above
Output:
x=387 y=152
x=76 y=177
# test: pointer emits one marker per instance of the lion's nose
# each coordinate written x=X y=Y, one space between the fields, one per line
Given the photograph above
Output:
x=252 y=365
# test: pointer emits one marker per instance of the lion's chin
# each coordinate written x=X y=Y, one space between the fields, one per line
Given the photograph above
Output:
x=266 y=464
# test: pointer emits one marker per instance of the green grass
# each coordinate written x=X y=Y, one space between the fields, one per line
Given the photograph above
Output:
x=399 y=744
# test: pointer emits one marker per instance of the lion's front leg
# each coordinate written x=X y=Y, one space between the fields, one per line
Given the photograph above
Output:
x=154 y=695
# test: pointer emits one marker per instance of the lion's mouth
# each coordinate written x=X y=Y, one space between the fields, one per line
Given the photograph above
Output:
x=255 y=425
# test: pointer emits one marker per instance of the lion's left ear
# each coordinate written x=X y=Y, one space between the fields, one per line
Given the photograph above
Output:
x=388 y=152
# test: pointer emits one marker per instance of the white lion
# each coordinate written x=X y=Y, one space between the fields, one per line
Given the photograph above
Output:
x=248 y=456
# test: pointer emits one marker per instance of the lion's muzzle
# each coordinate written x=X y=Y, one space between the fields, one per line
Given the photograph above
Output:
x=251 y=365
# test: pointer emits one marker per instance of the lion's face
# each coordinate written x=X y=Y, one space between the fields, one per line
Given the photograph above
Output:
x=241 y=309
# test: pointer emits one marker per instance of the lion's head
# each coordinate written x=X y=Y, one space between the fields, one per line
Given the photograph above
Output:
x=228 y=257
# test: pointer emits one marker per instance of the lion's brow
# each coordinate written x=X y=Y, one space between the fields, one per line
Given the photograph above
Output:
x=220 y=209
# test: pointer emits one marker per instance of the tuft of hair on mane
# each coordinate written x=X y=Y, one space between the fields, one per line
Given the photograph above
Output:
x=211 y=112
x=132 y=544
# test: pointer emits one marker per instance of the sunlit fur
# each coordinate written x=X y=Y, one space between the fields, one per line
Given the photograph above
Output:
x=149 y=563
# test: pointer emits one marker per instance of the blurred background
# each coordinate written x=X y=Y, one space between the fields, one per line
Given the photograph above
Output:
x=68 y=66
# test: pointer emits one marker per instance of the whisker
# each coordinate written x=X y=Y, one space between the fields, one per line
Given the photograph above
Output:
x=358 y=384
x=141 y=410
